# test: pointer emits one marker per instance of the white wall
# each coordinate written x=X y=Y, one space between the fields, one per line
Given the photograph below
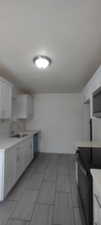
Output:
x=59 y=116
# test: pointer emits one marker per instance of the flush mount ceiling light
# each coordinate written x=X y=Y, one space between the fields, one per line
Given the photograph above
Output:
x=42 y=62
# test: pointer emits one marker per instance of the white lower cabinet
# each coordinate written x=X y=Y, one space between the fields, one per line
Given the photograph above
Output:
x=13 y=162
x=9 y=169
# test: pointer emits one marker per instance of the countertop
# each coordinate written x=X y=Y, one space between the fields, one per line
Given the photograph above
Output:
x=7 y=142
x=88 y=144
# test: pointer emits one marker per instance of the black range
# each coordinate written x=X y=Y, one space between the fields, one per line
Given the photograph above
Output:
x=88 y=156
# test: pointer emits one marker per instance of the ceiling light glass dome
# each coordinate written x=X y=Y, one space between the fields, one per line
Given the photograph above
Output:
x=42 y=62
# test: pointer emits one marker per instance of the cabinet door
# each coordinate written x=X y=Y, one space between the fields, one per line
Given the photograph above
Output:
x=2 y=164
x=30 y=106
x=28 y=152
x=25 y=153
x=30 y=149
x=10 y=169
x=26 y=156
x=23 y=107
x=8 y=101
x=19 y=160
x=5 y=100
x=20 y=107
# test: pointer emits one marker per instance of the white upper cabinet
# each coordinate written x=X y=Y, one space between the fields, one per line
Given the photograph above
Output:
x=93 y=84
x=5 y=99
x=23 y=107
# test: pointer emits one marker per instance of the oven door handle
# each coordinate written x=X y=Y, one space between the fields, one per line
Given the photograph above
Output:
x=82 y=169
x=98 y=201
x=81 y=165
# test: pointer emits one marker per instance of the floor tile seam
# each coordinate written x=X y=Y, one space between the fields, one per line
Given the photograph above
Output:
x=10 y=216
x=74 y=215
x=52 y=212
x=42 y=204
x=12 y=211
x=46 y=203
x=68 y=207
x=31 y=189
x=18 y=219
x=55 y=194
x=43 y=180
x=34 y=204
x=8 y=200
x=64 y=175
x=36 y=189
x=41 y=184
x=63 y=192
x=48 y=180
x=54 y=198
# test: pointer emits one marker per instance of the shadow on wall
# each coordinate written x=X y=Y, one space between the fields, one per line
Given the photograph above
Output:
x=12 y=76
x=7 y=73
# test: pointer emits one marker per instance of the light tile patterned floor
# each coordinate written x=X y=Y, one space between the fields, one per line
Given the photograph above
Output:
x=45 y=195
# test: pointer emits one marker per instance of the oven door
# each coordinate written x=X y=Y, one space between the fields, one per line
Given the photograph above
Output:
x=85 y=192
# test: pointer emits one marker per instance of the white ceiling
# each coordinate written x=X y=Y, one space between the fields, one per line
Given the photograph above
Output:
x=68 y=31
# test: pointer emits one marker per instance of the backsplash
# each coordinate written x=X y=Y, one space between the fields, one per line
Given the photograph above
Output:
x=17 y=126
x=6 y=126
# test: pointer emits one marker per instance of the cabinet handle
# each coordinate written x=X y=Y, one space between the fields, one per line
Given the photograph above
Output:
x=98 y=201
x=18 y=158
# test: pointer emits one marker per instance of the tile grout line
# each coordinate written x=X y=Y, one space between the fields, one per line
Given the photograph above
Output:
x=36 y=202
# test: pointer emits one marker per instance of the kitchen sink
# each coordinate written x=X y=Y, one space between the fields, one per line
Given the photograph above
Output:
x=19 y=135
